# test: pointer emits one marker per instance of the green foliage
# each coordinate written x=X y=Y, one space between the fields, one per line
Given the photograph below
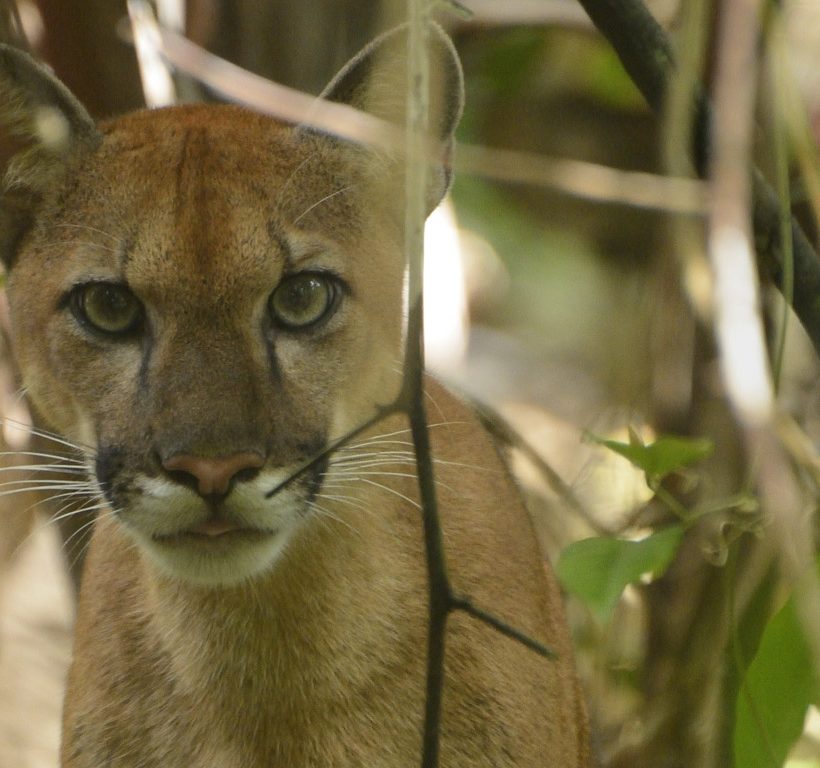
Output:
x=541 y=262
x=780 y=684
x=663 y=457
x=605 y=79
x=510 y=63
x=598 y=569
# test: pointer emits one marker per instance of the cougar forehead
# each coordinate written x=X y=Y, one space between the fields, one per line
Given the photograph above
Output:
x=200 y=211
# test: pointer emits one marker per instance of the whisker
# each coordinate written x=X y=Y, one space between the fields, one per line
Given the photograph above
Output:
x=68 y=482
x=373 y=458
x=353 y=475
x=405 y=431
x=383 y=487
x=292 y=176
x=36 y=488
x=70 y=460
x=47 y=435
x=44 y=468
x=319 y=202
x=326 y=513
x=376 y=441
x=66 y=513
x=86 y=243
x=84 y=531
x=50 y=520
x=356 y=473
x=53 y=498
x=88 y=228
x=351 y=501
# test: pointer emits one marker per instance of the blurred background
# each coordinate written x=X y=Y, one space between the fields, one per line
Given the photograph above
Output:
x=560 y=292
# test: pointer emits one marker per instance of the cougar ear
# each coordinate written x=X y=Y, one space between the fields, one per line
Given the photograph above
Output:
x=45 y=125
x=375 y=81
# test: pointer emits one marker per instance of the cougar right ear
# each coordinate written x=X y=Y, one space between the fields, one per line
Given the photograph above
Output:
x=375 y=82
x=46 y=126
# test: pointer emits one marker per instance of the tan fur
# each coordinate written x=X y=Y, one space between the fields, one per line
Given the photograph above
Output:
x=312 y=651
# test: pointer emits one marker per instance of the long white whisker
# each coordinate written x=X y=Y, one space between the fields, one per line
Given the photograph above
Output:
x=374 y=441
x=69 y=483
x=34 y=488
x=292 y=176
x=351 y=501
x=374 y=459
x=357 y=473
x=52 y=499
x=86 y=243
x=56 y=468
x=88 y=228
x=46 y=435
x=328 y=514
x=386 y=488
x=353 y=475
x=76 y=550
x=66 y=458
x=319 y=202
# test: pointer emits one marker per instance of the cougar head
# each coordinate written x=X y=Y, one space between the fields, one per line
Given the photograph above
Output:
x=203 y=298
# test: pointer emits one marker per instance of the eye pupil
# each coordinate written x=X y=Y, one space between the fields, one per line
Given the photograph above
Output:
x=108 y=307
x=302 y=300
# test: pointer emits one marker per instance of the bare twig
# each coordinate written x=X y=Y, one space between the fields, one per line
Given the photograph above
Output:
x=647 y=56
x=465 y=604
x=738 y=325
x=498 y=427
x=572 y=177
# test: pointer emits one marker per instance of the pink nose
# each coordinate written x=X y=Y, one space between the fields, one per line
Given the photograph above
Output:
x=214 y=475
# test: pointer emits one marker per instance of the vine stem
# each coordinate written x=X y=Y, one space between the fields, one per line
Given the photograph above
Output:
x=418 y=88
x=647 y=56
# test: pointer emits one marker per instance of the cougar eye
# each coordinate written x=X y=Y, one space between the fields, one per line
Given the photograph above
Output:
x=304 y=299
x=107 y=307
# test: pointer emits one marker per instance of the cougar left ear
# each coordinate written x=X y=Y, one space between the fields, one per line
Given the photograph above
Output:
x=47 y=125
x=375 y=81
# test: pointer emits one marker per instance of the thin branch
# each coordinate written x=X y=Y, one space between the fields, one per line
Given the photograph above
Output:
x=417 y=121
x=646 y=54
x=577 y=178
x=738 y=324
x=382 y=412
x=498 y=427
x=466 y=605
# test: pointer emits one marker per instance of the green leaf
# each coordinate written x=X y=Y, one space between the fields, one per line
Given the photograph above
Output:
x=666 y=455
x=779 y=686
x=597 y=570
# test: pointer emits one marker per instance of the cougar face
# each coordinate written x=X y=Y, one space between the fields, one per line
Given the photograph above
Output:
x=209 y=326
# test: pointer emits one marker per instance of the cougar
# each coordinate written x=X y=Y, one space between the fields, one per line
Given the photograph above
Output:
x=204 y=299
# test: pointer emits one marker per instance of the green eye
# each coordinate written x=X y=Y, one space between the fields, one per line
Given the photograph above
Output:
x=303 y=300
x=108 y=307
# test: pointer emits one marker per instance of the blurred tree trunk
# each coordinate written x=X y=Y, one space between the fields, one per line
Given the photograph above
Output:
x=297 y=44
x=82 y=43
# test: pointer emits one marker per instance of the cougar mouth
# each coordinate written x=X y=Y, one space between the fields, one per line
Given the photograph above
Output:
x=216 y=527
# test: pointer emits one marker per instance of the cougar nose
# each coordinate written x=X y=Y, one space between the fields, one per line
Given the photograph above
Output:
x=214 y=475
